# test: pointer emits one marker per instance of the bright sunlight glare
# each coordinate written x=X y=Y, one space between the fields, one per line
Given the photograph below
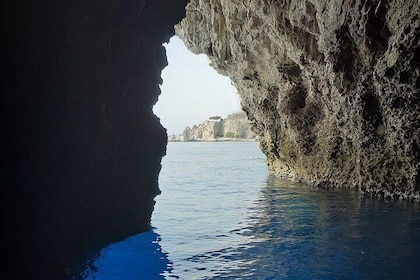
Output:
x=192 y=91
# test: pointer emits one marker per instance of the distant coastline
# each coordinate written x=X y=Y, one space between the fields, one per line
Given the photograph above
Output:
x=235 y=127
x=217 y=140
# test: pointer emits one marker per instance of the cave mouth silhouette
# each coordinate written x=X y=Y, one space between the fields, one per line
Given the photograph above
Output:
x=79 y=81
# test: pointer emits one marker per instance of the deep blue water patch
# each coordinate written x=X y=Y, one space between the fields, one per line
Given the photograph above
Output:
x=221 y=216
x=137 y=257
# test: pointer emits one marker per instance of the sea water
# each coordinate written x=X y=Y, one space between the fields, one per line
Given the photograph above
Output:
x=221 y=216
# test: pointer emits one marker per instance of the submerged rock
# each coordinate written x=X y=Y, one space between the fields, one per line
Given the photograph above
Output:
x=331 y=87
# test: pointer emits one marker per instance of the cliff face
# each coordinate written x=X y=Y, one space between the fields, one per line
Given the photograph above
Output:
x=331 y=87
x=81 y=148
x=235 y=126
x=206 y=131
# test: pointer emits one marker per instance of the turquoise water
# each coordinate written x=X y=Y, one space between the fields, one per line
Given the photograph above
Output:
x=221 y=216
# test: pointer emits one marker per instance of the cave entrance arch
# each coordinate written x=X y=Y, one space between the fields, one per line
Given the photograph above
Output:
x=192 y=91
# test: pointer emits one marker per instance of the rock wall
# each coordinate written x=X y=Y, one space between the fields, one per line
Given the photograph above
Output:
x=81 y=148
x=330 y=86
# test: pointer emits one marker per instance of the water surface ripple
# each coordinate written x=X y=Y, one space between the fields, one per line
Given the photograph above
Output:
x=220 y=216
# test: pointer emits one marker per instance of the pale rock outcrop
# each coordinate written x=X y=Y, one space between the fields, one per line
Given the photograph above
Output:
x=330 y=86
x=208 y=130
x=234 y=127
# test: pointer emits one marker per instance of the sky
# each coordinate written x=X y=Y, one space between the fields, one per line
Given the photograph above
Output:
x=192 y=91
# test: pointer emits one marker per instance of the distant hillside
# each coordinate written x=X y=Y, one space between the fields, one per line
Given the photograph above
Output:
x=234 y=127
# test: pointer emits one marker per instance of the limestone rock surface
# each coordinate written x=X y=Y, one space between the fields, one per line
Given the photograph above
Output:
x=330 y=86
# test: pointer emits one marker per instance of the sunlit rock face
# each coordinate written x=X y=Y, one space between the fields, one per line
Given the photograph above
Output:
x=81 y=148
x=331 y=87
x=234 y=127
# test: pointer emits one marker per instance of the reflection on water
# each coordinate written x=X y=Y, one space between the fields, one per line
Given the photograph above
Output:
x=219 y=216
x=297 y=232
x=290 y=231
x=137 y=257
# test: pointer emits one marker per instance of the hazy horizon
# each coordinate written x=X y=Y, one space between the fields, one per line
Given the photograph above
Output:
x=192 y=91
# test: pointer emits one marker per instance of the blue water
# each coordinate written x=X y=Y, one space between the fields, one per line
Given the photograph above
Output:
x=221 y=216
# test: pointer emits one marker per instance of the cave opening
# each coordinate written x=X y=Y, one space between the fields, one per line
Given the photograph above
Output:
x=192 y=91
x=83 y=150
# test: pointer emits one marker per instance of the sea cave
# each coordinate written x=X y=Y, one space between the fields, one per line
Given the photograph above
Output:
x=331 y=88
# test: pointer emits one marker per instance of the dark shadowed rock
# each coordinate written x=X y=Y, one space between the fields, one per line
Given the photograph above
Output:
x=81 y=147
